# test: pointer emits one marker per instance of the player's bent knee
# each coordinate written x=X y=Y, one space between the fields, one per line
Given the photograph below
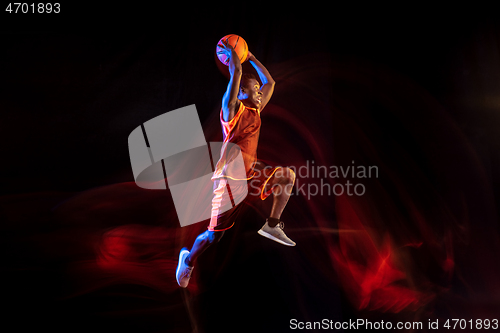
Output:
x=288 y=176
x=292 y=175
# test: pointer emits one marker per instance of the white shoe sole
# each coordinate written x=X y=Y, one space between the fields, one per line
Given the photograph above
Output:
x=181 y=259
x=268 y=235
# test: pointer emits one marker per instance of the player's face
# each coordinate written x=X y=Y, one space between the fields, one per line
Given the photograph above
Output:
x=253 y=94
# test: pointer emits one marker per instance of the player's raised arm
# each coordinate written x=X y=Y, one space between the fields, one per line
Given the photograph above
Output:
x=267 y=88
x=230 y=102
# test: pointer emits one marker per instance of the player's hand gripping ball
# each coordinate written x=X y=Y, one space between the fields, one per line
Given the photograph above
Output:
x=224 y=45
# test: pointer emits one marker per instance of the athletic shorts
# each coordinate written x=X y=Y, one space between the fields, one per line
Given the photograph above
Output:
x=257 y=186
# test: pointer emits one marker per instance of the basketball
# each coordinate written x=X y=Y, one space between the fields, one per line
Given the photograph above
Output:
x=239 y=45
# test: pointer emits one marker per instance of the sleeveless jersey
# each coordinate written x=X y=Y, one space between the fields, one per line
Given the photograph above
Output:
x=243 y=130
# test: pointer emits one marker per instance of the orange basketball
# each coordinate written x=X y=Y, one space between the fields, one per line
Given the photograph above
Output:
x=239 y=45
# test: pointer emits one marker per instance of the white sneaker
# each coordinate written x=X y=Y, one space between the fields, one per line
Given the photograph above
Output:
x=183 y=272
x=276 y=234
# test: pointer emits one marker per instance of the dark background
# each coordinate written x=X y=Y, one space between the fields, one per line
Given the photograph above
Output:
x=415 y=90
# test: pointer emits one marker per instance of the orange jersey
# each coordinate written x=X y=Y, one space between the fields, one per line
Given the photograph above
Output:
x=243 y=130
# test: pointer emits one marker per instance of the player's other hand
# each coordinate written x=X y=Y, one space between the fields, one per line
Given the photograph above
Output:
x=250 y=56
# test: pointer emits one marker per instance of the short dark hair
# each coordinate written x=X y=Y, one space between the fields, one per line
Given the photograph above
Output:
x=245 y=78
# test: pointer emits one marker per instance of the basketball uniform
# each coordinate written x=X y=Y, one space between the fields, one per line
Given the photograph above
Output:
x=243 y=131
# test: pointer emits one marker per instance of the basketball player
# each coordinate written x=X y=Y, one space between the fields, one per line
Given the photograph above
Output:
x=242 y=104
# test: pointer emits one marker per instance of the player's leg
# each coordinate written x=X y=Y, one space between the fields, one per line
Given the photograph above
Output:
x=219 y=222
x=202 y=242
x=281 y=183
x=187 y=258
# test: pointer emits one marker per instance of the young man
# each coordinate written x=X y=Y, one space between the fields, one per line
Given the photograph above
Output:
x=242 y=104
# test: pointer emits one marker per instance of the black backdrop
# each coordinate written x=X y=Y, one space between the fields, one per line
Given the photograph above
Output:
x=413 y=90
